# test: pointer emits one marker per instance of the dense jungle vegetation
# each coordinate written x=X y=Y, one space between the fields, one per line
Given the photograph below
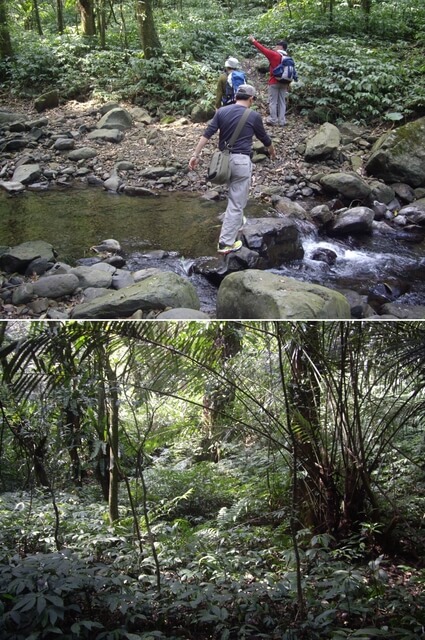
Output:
x=219 y=480
x=361 y=61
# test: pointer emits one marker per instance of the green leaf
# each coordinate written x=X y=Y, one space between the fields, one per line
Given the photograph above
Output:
x=394 y=116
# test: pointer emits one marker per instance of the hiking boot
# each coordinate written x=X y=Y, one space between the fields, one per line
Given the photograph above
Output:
x=270 y=122
x=227 y=248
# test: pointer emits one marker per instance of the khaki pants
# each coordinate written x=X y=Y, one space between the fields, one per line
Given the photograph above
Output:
x=239 y=184
x=277 y=103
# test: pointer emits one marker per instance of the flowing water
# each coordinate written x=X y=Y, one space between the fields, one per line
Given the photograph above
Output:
x=187 y=227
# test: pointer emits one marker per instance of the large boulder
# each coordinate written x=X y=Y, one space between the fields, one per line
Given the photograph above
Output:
x=19 y=257
x=8 y=117
x=49 y=100
x=324 y=143
x=348 y=185
x=261 y=295
x=117 y=118
x=275 y=239
x=158 y=291
x=399 y=156
x=355 y=220
x=26 y=173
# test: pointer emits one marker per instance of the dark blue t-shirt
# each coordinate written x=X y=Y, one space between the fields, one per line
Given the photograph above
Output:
x=226 y=120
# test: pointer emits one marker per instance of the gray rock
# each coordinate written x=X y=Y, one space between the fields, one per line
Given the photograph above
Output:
x=110 y=245
x=94 y=292
x=348 y=185
x=404 y=312
x=158 y=172
x=109 y=135
x=414 y=213
x=56 y=286
x=157 y=291
x=92 y=277
x=121 y=279
x=84 y=153
x=12 y=187
x=49 y=100
x=64 y=144
x=23 y=293
x=289 y=208
x=116 y=118
x=399 y=156
x=124 y=165
x=262 y=295
x=321 y=214
x=324 y=143
x=14 y=144
x=182 y=314
x=113 y=183
x=275 y=239
x=26 y=173
x=7 y=117
x=404 y=191
x=381 y=192
x=355 y=220
x=350 y=131
x=19 y=257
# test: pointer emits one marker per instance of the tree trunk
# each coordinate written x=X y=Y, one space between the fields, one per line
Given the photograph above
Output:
x=148 y=36
x=219 y=395
x=87 y=17
x=59 y=12
x=73 y=439
x=102 y=23
x=5 y=41
x=113 y=444
x=37 y=17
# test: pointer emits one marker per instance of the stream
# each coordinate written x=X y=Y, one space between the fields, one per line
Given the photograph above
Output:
x=187 y=227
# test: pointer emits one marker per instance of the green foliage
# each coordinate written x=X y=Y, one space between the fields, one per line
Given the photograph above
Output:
x=351 y=80
x=228 y=577
x=348 y=66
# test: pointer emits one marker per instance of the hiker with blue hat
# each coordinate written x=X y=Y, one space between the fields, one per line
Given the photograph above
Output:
x=226 y=121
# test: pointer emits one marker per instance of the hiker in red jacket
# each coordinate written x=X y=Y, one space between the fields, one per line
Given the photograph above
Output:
x=277 y=90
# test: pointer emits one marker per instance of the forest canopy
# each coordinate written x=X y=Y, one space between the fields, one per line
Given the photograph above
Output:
x=361 y=61
x=212 y=480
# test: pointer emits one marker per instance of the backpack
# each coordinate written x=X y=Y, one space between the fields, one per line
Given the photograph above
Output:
x=285 y=71
x=233 y=82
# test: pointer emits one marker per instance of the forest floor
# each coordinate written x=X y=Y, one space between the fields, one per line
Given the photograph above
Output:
x=159 y=144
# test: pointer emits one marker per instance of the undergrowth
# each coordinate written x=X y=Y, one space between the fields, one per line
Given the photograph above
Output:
x=347 y=69
x=226 y=556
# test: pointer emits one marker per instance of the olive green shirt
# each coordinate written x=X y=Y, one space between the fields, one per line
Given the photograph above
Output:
x=221 y=90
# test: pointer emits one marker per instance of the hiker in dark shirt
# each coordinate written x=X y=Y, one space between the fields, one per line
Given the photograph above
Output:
x=225 y=121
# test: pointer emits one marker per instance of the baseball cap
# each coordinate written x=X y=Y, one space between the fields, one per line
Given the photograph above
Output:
x=232 y=63
x=245 y=90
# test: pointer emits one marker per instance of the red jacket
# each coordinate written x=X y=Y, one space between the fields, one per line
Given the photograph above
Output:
x=272 y=56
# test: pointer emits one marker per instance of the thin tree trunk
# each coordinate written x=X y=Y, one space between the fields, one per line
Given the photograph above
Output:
x=102 y=23
x=59 y=13
x=5 y=41
x=113 y=444
x=37 y=17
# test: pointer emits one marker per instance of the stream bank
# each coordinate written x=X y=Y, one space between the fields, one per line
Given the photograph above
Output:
x=288 y=188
